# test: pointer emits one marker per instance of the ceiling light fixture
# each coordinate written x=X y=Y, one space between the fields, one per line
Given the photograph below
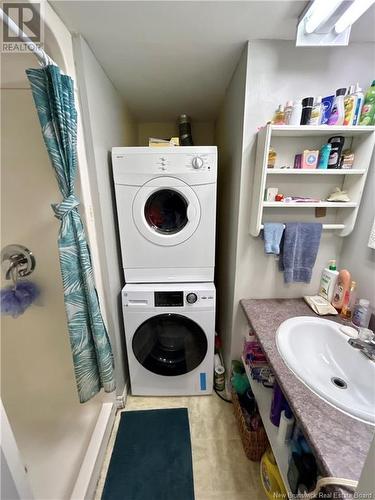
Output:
x=352 y=13
x=329 y=22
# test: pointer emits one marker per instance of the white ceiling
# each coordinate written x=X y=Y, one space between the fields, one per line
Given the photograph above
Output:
x=170 y=57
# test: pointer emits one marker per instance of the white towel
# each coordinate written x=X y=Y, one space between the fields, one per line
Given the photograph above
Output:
x=371 y=240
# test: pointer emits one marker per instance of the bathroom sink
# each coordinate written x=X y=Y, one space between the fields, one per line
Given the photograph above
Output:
x=318 y=353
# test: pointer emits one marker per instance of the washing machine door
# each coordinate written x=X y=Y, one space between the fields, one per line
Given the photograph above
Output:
x=169 y=344
x=166 y=211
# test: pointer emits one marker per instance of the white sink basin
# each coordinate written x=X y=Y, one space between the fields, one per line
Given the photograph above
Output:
x=319 y=355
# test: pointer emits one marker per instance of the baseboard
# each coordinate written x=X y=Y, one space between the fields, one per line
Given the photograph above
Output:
x=84 y=488
x=121 y=399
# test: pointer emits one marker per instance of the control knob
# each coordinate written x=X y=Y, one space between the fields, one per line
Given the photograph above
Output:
x=197 y=162
x=191 y=298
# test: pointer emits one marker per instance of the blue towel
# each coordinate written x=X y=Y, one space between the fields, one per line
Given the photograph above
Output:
x=299 y=249
x=272 y=234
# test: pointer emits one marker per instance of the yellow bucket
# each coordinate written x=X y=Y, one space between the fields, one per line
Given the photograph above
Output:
x=271 y=479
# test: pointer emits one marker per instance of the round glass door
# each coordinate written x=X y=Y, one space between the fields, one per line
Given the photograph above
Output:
x=169 y=344
x=166 y=211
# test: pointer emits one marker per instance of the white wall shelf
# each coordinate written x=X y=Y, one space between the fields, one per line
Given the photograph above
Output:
x=315 y=171
x=287 y=141
x=281 y=451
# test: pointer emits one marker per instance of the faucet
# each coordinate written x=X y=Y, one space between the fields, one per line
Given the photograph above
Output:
x=367 y=347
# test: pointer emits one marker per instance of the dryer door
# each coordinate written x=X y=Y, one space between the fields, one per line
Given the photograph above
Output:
x=166 y=211
x=169 y=344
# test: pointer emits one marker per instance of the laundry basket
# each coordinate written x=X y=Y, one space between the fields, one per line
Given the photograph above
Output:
x=254 y=443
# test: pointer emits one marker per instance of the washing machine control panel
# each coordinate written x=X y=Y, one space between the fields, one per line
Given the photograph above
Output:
x=169 y=298
x=191 y=298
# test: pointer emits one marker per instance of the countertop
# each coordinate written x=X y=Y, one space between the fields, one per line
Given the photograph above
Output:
x=340 y=443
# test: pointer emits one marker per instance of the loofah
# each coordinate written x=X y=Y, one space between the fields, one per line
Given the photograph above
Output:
x=16 y=299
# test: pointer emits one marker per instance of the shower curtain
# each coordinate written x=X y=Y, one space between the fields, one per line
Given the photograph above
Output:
x=92 y=355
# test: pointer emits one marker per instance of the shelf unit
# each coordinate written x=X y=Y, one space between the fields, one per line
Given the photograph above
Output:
x=288 y=141
x=263 y=396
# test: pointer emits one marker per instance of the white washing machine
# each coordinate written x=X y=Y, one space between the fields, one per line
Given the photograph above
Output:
x=170 y=334
x=166 y=205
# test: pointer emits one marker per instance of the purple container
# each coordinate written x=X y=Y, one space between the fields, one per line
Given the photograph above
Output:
x=278 y=405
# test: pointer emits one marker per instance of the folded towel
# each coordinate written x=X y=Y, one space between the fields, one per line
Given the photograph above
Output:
x=299 y=249
x=272 y=234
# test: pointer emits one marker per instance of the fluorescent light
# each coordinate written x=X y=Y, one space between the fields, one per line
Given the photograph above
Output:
x=319 y=12
x=352 y=13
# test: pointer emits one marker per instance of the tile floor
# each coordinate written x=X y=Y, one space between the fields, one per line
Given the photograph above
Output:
x=221 y=469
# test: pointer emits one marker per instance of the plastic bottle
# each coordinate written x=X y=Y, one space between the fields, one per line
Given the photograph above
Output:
x=307 y=104
x=361 y=313
x=337 y=143
x=279 y=116
x=359 y=103
x=316 y=112
x=338 y=110
x=368 y=109
x=295 y=118
x=324 y=153
x=350 y=101
x=342 y=286
x=288 y=112
x=349 y=301
x=328 y=281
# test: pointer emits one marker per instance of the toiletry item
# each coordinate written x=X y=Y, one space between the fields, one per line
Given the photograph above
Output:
x=298 y=161
x=337 y=144
x=350 y=101
x=272 y=155
x=328 y=281
x=288 y=112
x=359 y=103
x=324 y=153
x=286 y=426
x=349 y=301
x=347 y=159
x=279 y=116
x=307 y=104
x=338 y=110
x=361 y=313
x=277 y=406
x=270 y=194
x=219 y=378
x=295 y=118
x=279 y=197
x=338 y=195
x=327 y=103
x=310 y=158
x=342 y=286
x=184 y=129
x=319 y=305
x=316 y=112
x=368 y=109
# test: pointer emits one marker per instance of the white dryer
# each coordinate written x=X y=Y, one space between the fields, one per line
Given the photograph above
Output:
x=170 y=333
x=166 y=205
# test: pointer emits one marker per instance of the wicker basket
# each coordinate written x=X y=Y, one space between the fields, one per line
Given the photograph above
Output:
x=254 y=443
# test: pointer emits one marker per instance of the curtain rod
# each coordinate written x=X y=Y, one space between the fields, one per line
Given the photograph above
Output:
x=43 y=58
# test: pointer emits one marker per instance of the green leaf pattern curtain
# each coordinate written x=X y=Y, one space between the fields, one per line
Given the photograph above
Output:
x=92 y=355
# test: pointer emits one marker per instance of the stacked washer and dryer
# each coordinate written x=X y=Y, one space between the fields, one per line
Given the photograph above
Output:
x=166 y=205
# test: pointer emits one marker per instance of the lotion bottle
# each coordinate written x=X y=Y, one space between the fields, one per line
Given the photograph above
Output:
x=350 y=101
x=341 y=288
x=359 y=103
x=328 y=281
x=338 y=110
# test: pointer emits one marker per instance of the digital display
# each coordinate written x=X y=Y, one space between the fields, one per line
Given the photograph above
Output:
x=169 y=299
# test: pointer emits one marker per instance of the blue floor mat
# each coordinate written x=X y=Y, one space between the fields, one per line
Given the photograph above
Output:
x=151 y=458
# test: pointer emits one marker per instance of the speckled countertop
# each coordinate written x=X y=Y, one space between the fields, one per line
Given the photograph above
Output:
x=340 y=443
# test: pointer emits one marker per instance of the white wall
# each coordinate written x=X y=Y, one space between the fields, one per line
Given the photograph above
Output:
x=38 y=384
x=278 y=71
x=202 y=132
x=356 y=256
x=229 y=137
x=107 y=122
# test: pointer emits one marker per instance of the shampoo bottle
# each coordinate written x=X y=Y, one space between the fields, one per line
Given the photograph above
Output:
x=328 y=281
x=368 y=109
x=341 y=288
x=350 y=102
x=295 y=118
x=359 y=103
x=316 y=112
x=338 y=110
